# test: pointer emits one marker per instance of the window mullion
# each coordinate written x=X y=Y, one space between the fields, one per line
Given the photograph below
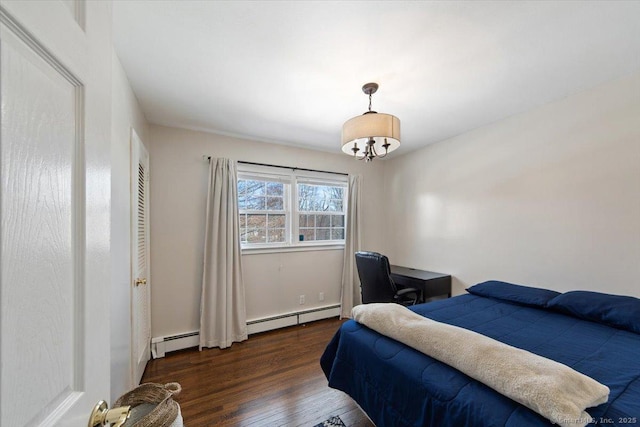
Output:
x=295 y=216
x=287 y=207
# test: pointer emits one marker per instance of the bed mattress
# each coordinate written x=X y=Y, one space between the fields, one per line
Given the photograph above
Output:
x=399 y=386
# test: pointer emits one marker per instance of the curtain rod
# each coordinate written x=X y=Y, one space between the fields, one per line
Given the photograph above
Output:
x=285 y=167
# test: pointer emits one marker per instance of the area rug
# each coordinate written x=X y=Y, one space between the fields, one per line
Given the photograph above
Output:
x=331 y=422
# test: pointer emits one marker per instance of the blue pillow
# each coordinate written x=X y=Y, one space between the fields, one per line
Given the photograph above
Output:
x=525 y=295
x=613 y=310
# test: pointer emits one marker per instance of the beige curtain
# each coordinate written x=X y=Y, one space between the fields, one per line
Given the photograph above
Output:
x=223 y=318
x=350 y=282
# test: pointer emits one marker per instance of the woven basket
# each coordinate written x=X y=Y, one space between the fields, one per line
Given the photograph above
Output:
x=165 y=409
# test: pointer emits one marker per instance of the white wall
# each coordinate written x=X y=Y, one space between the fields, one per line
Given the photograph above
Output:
x=273 y=281
x=125 y=114
x=550 y=197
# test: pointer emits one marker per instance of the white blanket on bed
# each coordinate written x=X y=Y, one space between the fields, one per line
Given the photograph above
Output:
x=549 y=388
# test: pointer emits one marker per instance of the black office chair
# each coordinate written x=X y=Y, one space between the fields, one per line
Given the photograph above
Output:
x=376 y=284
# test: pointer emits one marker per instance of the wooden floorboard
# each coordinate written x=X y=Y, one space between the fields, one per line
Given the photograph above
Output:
x=272 y=379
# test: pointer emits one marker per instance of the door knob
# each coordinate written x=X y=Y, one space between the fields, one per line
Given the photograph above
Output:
x=140 y=281
x=103 y=416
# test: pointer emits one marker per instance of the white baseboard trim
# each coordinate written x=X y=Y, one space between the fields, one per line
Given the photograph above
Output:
x=291 y=319
x=162 y=345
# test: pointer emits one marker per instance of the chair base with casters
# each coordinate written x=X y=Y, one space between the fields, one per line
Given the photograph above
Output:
x=408 y=296
x=376 y=283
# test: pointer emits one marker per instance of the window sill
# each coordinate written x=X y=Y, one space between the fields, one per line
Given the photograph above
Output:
x=302 y=247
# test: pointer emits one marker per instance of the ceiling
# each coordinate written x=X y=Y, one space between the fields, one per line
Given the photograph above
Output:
x=291 y=72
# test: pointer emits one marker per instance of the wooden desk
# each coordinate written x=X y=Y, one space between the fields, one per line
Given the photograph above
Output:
x=431 y=283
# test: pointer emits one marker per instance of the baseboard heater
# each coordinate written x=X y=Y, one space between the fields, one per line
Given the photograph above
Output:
x=162 y=345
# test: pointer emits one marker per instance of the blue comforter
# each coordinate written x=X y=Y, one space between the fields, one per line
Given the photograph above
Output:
x=399 y=386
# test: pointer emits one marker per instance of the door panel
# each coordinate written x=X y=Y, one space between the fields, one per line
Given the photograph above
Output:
x=54 y=234
x=39 y=242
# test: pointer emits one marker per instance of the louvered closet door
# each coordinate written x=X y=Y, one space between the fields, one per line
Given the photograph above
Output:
x=141 y=280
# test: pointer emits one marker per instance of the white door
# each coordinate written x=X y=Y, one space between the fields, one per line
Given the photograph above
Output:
x=55 y=71
x=140 y=278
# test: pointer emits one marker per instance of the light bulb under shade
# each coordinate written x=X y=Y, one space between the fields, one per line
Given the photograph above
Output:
x=373 y=125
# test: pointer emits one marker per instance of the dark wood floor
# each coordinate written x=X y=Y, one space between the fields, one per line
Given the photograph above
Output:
x=273 y=379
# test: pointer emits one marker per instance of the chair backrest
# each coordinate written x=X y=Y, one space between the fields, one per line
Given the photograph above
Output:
x=375 y=277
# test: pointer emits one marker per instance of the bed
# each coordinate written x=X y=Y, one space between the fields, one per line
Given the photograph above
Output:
x=595 y=334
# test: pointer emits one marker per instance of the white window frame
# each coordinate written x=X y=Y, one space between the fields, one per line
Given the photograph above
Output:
x=291 y=178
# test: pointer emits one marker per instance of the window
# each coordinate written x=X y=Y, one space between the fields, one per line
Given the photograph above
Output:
x=263 y=217
x=320 y=212
x=279 y=208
